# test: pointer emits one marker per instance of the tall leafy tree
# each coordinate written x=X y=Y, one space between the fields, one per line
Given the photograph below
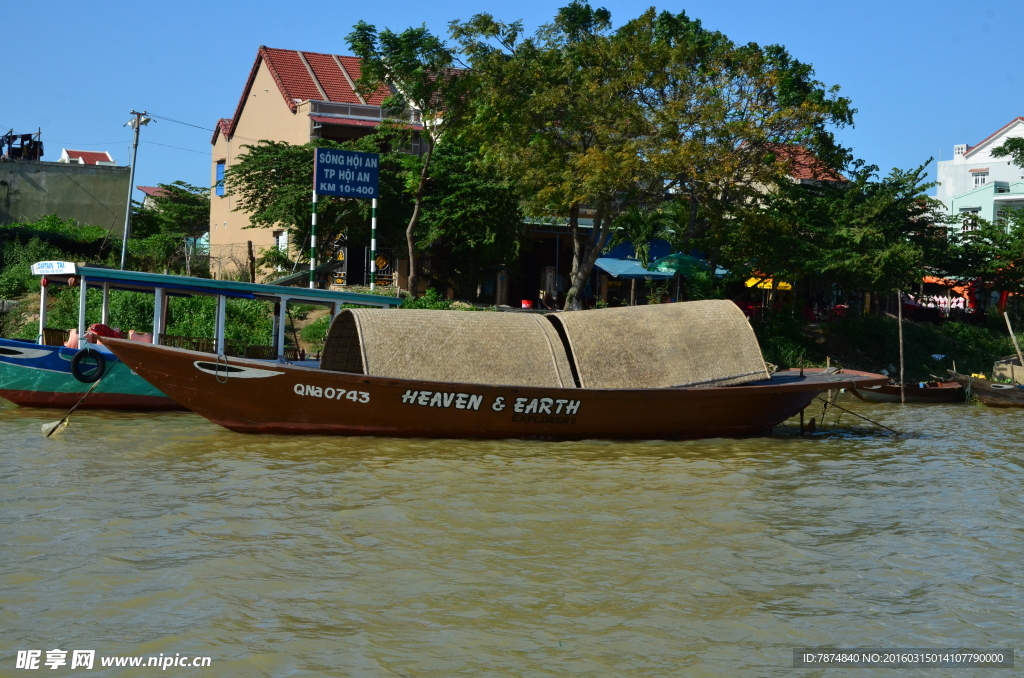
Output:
x=417 y=66
x=552 y=111
x=867 y=233
x=586 y=116
x=723 y=117
x=472 y=221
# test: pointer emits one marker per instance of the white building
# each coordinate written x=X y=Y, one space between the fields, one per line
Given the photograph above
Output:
x=975 y=182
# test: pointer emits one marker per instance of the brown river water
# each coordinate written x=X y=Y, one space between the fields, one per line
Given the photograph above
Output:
x=140 y=534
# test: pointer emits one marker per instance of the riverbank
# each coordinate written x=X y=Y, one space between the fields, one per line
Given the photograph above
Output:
x=872 y=344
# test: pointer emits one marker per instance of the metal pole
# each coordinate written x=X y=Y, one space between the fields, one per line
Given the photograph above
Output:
x=131 y=181
x=219 y=330
x=373 y=243
x=281 y=320
x=105 y=315
x=899 y=317
x=312 y=249
x=158 y=315
x=81 y=311
x=44 y=283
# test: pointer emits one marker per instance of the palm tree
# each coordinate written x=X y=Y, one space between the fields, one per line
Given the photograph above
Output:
x=639 y=226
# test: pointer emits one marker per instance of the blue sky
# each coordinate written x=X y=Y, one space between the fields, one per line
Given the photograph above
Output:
x=923 y=75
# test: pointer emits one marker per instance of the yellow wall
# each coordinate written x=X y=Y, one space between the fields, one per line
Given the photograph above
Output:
x=265 y=115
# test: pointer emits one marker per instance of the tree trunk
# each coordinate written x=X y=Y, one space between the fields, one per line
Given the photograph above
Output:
x=252 y=263
x=592 y=249
x=632 y=293
x=410 y=230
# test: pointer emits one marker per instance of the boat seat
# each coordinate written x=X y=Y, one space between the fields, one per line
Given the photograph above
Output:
x=55 y=337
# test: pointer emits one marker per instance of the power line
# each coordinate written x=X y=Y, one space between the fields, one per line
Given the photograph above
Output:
x=206 y=129
x=187 y=124
x=190 y=150
x=75 y=143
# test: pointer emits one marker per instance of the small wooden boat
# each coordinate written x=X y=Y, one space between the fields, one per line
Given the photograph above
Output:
x=46 y=373
x=924 y=392
x=992 y=393
x=666 y=371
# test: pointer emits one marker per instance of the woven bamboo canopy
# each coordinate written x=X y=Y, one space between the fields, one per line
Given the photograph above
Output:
x=517 y=349
x=697 y=343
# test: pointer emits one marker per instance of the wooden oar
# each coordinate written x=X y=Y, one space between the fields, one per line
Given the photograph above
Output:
x=57 y=426
x=1006 y=317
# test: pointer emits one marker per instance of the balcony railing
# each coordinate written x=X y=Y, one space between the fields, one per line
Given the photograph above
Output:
x=329 y=108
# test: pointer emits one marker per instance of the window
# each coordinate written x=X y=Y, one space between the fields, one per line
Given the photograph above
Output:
x=220 y=178
x=969 y=216
x=281 y=241
x=1000 y=215
x=980 y=178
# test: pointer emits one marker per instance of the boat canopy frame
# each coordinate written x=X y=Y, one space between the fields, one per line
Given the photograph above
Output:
x=163 y=285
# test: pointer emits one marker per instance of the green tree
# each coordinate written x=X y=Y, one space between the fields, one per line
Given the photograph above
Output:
x=472 y=218
x=992 y=252
x=719 y=114
x=165 y=235
x=554 y=113
x=271 y=181
x=418 y=68
x=640 y=226
x=1014 y=148
x=867 y=233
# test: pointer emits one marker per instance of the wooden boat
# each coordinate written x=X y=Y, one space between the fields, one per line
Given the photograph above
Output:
x=992 y=393
x=667 y=371
x=45 y=373
x=924 y=392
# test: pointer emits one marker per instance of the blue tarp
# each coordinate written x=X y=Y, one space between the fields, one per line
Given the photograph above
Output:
x=629 y=269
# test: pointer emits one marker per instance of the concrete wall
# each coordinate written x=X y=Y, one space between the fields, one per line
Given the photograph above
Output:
x=87 y=193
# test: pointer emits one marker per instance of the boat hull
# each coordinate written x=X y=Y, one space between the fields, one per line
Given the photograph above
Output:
x=941 y=393
x=253 y=397
x=32 y=375
x=991 y=393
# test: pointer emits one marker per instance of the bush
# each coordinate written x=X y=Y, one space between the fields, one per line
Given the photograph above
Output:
x=316 y=332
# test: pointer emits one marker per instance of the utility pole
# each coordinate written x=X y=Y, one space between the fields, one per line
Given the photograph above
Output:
x=138 y=121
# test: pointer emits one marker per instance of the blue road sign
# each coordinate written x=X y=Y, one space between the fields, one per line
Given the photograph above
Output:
x=349 y=174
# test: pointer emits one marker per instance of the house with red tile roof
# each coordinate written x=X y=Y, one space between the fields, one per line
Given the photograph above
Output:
x=295 y=97
x=150 y=192
x=86 y=157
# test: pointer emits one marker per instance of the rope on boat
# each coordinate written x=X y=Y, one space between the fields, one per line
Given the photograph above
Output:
x=57 y=427
x=893 y=431
x=216 y=371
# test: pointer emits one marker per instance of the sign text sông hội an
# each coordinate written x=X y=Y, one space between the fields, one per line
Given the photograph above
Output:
x=349 y=174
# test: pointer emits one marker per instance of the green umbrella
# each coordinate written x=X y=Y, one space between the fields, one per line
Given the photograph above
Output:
x=683 y=264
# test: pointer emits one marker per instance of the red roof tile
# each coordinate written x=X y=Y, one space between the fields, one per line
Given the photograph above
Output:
x=803 y=164
x=333 y=81
x=295 y=84
x=152 y=191
x=89 y=157
x=223 y=126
